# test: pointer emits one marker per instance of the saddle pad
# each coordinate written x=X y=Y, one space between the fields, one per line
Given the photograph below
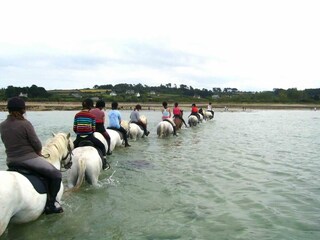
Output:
x=37 y=182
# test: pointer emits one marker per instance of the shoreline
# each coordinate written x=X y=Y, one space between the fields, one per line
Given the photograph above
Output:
x=71 y=106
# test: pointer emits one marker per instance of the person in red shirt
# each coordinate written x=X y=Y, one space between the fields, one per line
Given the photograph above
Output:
x=177 y=113
x=195 y=111
x=100 y=120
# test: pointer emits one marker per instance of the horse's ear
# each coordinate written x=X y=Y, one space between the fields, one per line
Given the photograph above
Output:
x=53 y=134
x=68 y=135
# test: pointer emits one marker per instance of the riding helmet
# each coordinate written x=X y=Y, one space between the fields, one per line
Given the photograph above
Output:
x=16 y=103
x=100 y=104
x=138 y=107
x=87 y=103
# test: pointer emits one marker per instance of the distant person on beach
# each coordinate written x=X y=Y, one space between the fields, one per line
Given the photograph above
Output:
x=100 y=120
x=135 y=118
x=115 y=122
x=177 y=113
x=166 y=116
x=84 y=125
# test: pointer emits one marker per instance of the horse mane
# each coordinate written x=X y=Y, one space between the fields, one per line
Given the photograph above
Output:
x=143 y=119
x=125 y=124
x=55 y=147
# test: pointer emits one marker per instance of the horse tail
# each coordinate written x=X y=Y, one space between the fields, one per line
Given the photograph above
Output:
x=161 y=130
x=81 y=173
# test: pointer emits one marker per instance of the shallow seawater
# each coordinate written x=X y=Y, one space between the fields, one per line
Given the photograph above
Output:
x=243 y=175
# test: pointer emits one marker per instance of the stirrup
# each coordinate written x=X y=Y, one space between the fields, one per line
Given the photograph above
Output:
x=51 y=208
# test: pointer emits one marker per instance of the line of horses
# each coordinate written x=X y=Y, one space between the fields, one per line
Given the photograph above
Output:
x=165 y=128
x=21 y=201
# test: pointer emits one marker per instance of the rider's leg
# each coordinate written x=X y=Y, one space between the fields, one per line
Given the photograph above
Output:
x=144 y=126
x=52 y=175
x=125 y=137
x=107 y=137
x=102 y=147
x=183 y=121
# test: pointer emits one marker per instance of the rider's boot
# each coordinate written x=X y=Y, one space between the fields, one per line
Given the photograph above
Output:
x=105 y=164
x=127 y=144
x=175 y=131
x=52 y=208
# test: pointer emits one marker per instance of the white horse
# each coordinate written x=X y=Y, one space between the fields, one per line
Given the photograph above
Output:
x=164 y=129
x=116 y=139
x=207 y=115
x=19 y=201
x=87 y=164
x=193 y=120
x=136 y=131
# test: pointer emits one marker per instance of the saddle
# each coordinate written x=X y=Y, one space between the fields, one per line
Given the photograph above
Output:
x=169 y=122
x=39 y=183
x=85 y=143
x=115 y=129
x=138 y=125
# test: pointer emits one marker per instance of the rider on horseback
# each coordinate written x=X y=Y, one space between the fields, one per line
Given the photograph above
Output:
x=177 y=113
x=195 y=111
x=84 y=126
x=209 y=109
x=166 y=116
x=135 y=118
x=23 y=149
x=100 y=119
x=115 y=122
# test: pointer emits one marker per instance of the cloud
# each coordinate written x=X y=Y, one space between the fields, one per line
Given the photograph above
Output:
x=249 y=45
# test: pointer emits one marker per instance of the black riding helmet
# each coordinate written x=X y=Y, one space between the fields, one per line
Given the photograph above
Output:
x=16 y=104
x=138 y=107
x=87 y=103
x=114 y=105
x=100 y=104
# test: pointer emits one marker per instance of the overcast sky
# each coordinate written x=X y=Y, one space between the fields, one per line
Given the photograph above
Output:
x=251 y=45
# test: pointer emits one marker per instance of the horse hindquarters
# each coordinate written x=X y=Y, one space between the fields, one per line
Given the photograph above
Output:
x=87 y=165
x=135 y=131
x=19 y=202
x=76 y=174
x=164 y=129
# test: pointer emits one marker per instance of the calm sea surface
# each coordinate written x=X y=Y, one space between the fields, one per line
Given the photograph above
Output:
x=243 y=175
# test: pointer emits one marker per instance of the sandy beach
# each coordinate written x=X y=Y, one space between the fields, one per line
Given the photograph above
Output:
x=68 y=106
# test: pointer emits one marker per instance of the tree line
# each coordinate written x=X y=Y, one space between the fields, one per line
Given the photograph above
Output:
x=183 y=93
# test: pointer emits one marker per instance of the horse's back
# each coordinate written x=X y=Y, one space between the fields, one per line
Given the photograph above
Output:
x=135 y=131
x=115 y=138
x=101 y=138
x=18 y=198
x=178 y=122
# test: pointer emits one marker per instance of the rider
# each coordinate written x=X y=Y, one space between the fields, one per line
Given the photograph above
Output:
x=100 y=119
x=195 y=111
x=115 y=122
x=84 y=125
x=177 y=113
x=209 y=108
x=166 y=116
x=23 y=149
x=135 y=118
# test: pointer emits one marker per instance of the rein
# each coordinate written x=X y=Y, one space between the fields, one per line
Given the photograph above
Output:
x=68 y=165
